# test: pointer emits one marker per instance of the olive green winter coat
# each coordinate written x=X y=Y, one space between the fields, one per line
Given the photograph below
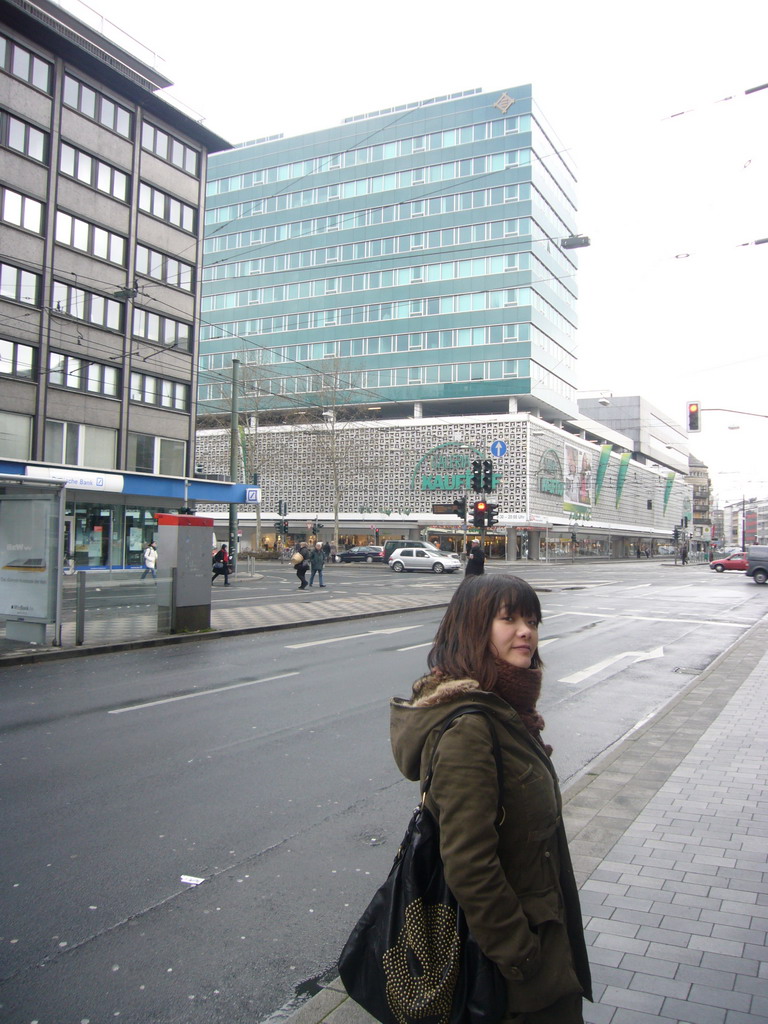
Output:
x=514 y=882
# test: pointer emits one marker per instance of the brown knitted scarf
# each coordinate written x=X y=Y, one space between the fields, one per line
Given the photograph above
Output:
x=520 y=688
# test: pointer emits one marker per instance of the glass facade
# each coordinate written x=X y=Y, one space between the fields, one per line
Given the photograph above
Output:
x=359 y=259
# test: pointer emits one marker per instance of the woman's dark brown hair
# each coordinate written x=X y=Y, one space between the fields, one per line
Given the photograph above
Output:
x=462 y=644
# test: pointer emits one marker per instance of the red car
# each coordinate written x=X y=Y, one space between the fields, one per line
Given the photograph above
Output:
x=738 y=560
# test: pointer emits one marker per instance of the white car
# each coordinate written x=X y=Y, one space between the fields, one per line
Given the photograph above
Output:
x=423 y=560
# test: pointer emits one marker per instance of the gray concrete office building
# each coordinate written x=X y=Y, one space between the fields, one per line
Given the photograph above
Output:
x=101 y=196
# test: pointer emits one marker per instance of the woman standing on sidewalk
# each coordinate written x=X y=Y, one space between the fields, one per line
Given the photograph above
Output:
x=513 y=878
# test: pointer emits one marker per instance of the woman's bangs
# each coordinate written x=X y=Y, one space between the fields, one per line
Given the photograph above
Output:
x=518 y=596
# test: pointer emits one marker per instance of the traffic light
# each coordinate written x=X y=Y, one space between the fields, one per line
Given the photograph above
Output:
x=477 y=476
x=487 y=476
x=460 y=507
x=285 y=526
x=279 y=526
x=694 y=417
x=491 y=514
x=478 y=513
x=676 y=534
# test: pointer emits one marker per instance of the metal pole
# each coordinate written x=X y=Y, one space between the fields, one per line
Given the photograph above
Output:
x=743 y=523
x=233 y=448
x=463 y=552
x=80 y=610
x=60 y=553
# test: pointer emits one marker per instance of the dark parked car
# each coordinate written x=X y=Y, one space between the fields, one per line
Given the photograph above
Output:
x=365 y=553
x=757 y=563
x=738 y=560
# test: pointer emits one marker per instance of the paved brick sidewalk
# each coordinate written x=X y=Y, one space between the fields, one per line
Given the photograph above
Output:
x=677 y=912
x=669 y=836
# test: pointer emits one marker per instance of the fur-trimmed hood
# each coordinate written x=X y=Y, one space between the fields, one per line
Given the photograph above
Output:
x=433 y=689
x=434 y=697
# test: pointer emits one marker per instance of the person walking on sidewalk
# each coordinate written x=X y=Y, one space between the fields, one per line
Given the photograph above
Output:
x=475 y=560
x=221 y=565
x=513 y=878
x=150 y=561
x=317 y=561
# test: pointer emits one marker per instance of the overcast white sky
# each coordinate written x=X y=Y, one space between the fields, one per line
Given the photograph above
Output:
x=608 y=77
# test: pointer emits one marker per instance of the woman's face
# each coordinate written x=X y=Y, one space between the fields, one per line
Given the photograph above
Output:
x=514 y=638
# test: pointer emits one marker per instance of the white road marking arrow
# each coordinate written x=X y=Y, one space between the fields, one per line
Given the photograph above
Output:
x=578 y=677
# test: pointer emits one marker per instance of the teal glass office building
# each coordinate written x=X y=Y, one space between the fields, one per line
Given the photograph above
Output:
x=406 y=263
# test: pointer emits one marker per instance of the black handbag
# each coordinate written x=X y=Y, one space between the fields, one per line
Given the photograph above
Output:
x=411 y=958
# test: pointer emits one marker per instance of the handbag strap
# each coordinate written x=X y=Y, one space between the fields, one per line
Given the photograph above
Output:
x=471 y=709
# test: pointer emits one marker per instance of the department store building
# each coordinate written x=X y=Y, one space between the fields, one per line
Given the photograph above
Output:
x=563 y=493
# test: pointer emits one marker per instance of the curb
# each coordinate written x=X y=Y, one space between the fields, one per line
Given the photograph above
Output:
x=49 y=653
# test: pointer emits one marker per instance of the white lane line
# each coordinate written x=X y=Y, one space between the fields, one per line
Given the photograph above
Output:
x=353 y=636
x=656 y=618
x=549 y=640
x=200 y=693
x=640 y=586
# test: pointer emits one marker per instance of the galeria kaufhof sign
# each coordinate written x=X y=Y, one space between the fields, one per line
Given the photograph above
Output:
x=448 y=467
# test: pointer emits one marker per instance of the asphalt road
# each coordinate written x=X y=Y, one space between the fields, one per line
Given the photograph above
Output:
x=261 y=765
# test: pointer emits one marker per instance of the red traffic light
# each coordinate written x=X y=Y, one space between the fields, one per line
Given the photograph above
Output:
x=480 y=506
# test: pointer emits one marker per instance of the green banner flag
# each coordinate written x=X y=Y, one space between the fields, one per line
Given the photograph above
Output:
x=668 y=488
x=623 y=467
x=602 y=467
